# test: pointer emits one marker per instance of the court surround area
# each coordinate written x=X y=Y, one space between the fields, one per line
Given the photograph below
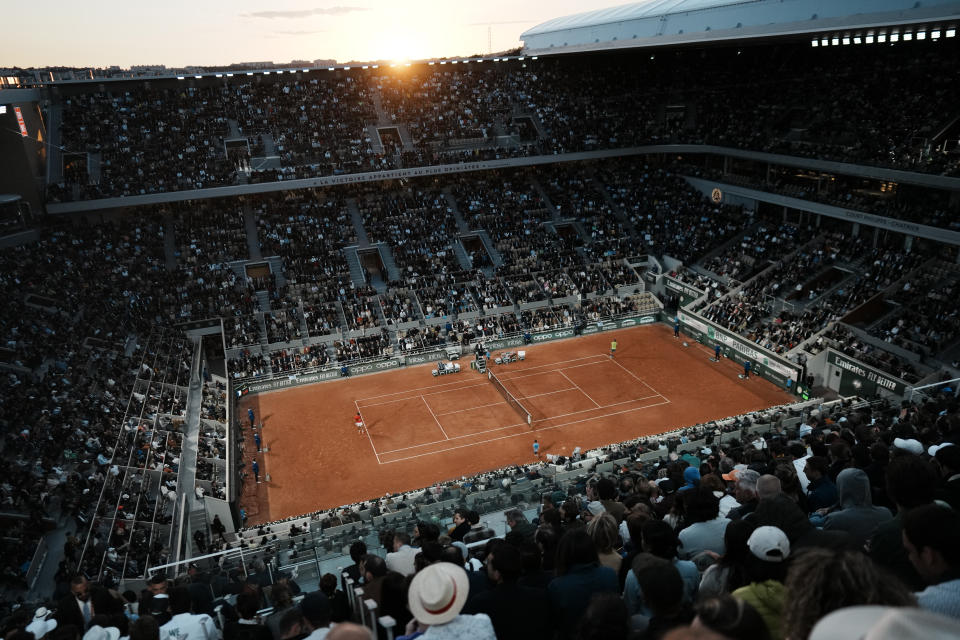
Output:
x=422 y=429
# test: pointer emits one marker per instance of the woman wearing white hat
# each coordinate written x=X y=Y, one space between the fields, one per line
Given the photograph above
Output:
x=436 y=597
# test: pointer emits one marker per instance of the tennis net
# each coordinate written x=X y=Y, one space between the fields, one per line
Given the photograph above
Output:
x=513 y=402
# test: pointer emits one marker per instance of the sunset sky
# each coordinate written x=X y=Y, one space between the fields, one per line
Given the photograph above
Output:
x=214 y=32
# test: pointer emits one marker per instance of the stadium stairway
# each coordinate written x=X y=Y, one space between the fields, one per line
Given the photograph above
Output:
x=462 y=225
x=554 y=212
x=376 y=144
x=353 y=262
x=622 y=217
x=253 y=240
x=495 y=256
x=276 y=268
x=357 y=219
x=54 y=152
x=263 y=299
x=169 y=245
x=405 y=138
x=393 y=273
x=462 y=258
x=93 y=166
x=234 y=128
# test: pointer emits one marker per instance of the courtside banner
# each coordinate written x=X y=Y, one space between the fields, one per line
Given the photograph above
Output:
x=685 y=291
x=866 y=374
x=430 y=356
x=764 y=363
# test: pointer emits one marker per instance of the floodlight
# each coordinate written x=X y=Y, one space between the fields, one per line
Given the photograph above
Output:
x=535 y=58
x=869 y=38
x=366 y=66
x=951 y=33
x=935 y=34
x=856 y=40
x=431 y=63
x=454 y=61
x=266 y=73
x=882 y=38
x=305 y=70
x=219 y=75
x=814 y=43
x=179 y=77
x=894 y=37
x=346 y=68
x=846 y=40
x=376 y=66
x=229 y=75
x=249 y=73
x=835 y=41
x=443 y=62
x=332 y=69
x=824 y=42
x=921 y=35
x=908 y=36
x=520 y=58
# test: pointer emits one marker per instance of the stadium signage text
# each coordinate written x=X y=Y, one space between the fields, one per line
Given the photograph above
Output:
x=553 y=335
x=765 y=364
x=681 y=288
x=866 y=373
x=426 y=357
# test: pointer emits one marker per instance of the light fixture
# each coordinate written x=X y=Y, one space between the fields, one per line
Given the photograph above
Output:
x=219 y=75
x=935 y=34
x=951 y=33
x=882 y=38
x=824 y=42
x=908 y=35
x=856 y=40
x=249 y=73
x=454 y=61
x=431 y=63
x=229 y=75
x=869 y=38
x=376 y=66
x=921 y=35
x=179 y=77
x=197 y=77
x=331 y=68
x=346 y=68
x=846 y=40
x=814 y=43
x=366 y=66
x=266 y=73
x=894 y=37
x=443 y=62
x=535 y=57
x=306 y=70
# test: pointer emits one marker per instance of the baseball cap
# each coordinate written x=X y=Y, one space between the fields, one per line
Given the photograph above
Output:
x=595 y=508
x=909 y=444
x=769 y=544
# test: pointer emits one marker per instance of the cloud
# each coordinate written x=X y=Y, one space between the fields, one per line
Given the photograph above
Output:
x=304 y=13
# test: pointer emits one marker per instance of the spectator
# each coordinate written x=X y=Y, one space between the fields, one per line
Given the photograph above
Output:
x=733 y=618
x=517 y=612
x=185 y=623
x=821 y=580
x=930 y=535
x=821 y=492
x=856 y=514
x=436 y=597
x=729 y=572
x=704 y=530
x=402 y=556
x=910 y=484
x=765 y=570
x=603 y=531
x=579 y=575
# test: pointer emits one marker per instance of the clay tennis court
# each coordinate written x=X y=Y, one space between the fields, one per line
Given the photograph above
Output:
x=423 y=429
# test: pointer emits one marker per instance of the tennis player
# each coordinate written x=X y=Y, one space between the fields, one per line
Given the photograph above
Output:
x=613 y=348
x=536 y=448
x=358 y=420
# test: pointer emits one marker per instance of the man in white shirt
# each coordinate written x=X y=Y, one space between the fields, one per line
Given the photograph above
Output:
x=185 y=625
x=401 y=559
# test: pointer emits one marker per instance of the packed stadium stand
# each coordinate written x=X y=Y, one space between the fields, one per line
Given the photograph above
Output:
x=196 y=239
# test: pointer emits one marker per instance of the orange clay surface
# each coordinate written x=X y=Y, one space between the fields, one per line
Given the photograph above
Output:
x=421 y=429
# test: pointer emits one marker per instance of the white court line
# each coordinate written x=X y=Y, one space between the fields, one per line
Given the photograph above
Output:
x=435 y=417
x=549 y=364
x=367 y=430
x=479 y=406
x=396 y=393
x=579 y=389
x=547 y=393
x=525 y=434
x=524 y=424
x=639 y=380
x=420 y=395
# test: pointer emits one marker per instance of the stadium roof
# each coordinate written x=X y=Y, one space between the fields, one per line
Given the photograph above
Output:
x=667 y=22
